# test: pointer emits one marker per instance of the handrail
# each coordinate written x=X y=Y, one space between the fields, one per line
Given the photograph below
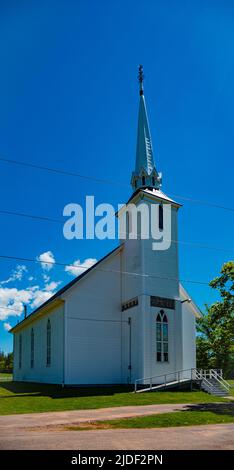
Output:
x=225 y=381
x=176 y=372
x=196 y=374
x=162 y=375
x=201 y=376
x=222 y=382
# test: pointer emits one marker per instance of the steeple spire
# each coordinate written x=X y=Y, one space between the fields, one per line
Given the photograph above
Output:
x=145 y=174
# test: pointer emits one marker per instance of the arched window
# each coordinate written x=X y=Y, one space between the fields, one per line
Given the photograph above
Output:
x=162 y=337
x=48 y=344
x=143 y=180
x=153 y=180
x=160 y=216
x=20 y=351
x=32 y=348
x=128 y=223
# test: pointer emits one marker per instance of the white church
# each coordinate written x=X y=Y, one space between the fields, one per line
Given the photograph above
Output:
x=127 y=317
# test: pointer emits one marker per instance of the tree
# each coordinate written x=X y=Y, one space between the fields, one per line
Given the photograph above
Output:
x=216 y=327
x=2 y=361
x=6 y=361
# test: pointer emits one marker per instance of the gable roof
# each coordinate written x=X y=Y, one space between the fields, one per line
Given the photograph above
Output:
x=63 y=289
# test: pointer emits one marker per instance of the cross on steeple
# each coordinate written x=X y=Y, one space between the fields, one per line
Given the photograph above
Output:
x=141 y=78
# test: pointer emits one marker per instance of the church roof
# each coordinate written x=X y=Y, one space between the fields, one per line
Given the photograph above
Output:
x=63 y=289
x=157 y=193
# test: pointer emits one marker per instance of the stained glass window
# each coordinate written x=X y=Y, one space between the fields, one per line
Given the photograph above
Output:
x=162 y=337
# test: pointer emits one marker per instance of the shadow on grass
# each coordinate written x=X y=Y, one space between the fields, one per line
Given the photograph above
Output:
x=217 y=408
x=24 y=389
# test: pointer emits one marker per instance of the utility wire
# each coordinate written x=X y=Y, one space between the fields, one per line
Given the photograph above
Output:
x=101 y=180
x=13 y=309
x=76 y=318
x=56 y=263
x=205 y=203
x=31 y=216
x=60 y=221
x=61 y=172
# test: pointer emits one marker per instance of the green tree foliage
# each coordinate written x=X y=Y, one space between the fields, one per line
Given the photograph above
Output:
x=215 y=339
x=6 y=362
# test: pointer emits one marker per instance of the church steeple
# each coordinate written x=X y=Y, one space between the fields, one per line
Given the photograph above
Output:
x=145 y=174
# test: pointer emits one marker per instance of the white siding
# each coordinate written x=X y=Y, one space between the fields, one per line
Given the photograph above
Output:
x=40 y=372
x=93 y=327
x=156 y=274
x=132 y=349
x=189 y=337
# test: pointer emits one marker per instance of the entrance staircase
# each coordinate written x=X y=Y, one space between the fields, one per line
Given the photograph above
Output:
x=211 y=381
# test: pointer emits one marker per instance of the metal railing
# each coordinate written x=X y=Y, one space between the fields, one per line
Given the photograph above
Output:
x=216 y=374
x=178 y=376
x=210 y=373
x=181 y=375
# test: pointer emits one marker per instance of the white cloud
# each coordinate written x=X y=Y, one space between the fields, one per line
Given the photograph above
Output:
x=47 y=260
x=78 y=268
x=40 y=297
x=16 y=275
x=12 y=300
x=46 y=278
x=52 y=286
x=7 y=326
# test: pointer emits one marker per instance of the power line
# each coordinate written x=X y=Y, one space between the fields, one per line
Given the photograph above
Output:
x=102 y=180
x=31 y=216
x=50 y=219
x=56 y=263
x=76 y=318
x=11 y=308
x=61 y=172
x=205 y=203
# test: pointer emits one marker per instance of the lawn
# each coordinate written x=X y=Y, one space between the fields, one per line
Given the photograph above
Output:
x=5 y=376
x=232 y=388
x=21 y=397
x=178 y=418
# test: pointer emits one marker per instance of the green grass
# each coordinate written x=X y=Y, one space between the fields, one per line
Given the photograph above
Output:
x=232 y=388
x=178 y=418
x=21 y=397
x=5 y=376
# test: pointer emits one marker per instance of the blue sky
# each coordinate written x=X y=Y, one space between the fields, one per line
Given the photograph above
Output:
x=69 y=100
